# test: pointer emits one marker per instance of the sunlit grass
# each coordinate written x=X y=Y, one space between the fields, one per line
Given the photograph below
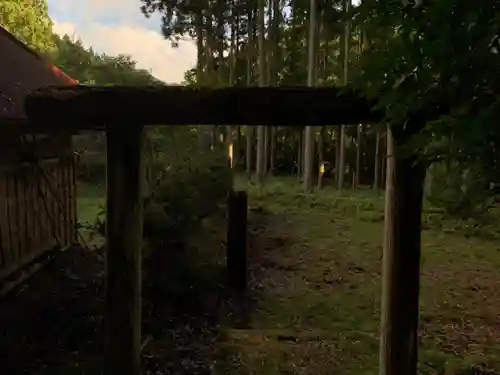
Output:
x=325 y=302
x=90 y=202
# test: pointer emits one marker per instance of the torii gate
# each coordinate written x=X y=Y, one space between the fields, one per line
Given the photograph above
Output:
x=123 y=112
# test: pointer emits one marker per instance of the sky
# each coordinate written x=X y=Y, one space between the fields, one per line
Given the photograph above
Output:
x=119 y=27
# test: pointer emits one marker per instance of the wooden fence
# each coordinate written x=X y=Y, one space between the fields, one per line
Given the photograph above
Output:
x=37 y=211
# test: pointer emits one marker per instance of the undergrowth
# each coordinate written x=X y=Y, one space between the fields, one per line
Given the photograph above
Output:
x=320 y=304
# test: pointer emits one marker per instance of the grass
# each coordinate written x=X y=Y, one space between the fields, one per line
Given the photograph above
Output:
x=318 y=309
x=90 y=201
x=319 y=305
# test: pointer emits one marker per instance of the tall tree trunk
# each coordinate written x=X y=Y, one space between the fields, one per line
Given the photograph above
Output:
x=311 y=81
x=337 y=155
x=269 y=42
x=250 y=43
x=268 y=56
x=210 y=47
x=275 y=30
x=211 y=76
x=300 y=153
x=326 y=36
x=274 y=23
x=383 y=164
x=401 y=261
x=321 y=72
x=272 y=157
x=232 y=146
x=347 y=39
x=341 y=159
x=321 y=156
x=266 y=150
x=233 y=47
x=249 y=130
x=220 y=25
x=262 y=83
x=359 y=129
x=237 y=148
x=295 y=37
x=200 y=59
x=376 y=167
x=236 y=54
x=359 y=132
x=203 y=137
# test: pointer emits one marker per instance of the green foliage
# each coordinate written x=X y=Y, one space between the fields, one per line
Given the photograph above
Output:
x=413 y=55
x=188 y=190
x=192 y=187
x=87 y=66
x=321 y=285
x=461 y=192
x=29 y=21
x=74 y=59
x=438 y=51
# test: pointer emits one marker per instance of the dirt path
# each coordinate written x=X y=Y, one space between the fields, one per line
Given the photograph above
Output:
x=318 y=260
x=299 y=325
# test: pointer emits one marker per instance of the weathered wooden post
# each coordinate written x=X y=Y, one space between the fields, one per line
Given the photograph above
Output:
x=237 y=241
x=124 y=218
x=401 y=261
x=377 y=162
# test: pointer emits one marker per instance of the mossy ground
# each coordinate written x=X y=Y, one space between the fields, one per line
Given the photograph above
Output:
x=316 y=282
x=318 y=309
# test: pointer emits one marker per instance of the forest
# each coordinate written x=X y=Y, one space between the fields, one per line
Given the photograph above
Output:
x=326 y=204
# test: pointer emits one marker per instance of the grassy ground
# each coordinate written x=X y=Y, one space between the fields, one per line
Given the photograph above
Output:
x=318 y=310
x=318 y=283
x=53 y=322
x=91 y=200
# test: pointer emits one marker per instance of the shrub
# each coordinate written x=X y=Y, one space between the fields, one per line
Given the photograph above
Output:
x=191 y=189
x=187 y=193
x=189 y=185
x=462 y=192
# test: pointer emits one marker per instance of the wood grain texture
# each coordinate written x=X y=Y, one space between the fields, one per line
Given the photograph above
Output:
x=37 y=211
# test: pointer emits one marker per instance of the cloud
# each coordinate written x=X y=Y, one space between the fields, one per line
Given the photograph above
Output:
x=65 y=28
x=118 y=27
x=148 y=48
x=103 y=11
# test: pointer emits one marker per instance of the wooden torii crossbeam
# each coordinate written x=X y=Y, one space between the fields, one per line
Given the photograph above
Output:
x=88 y=107
x=123 y=111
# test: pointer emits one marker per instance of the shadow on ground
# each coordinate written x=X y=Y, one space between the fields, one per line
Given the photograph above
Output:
x=52 y=324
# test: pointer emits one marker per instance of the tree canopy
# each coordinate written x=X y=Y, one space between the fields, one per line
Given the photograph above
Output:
x=90 y=67
x=408 y=55
x=29 y=21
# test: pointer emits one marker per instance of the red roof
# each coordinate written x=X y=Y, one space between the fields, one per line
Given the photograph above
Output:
x=21 y=71
x=63 y=75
